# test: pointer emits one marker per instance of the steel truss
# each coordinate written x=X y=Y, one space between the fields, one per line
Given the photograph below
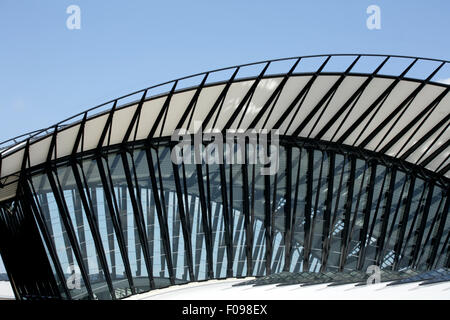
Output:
x=133 y=221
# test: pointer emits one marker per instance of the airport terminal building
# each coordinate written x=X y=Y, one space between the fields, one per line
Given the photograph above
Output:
x=94 y=207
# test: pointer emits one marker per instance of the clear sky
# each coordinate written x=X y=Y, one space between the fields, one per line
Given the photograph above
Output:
x=48 y=72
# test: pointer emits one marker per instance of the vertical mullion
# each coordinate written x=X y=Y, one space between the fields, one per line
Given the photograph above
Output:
x=436 y=239
x=396 y=213
x=336 y=206
x=420 y=231
x=363 y=235
x=184 y=226
x=79 y=225
x=64 y=214
x=385 y=216
x=348 y=209
x=139 y=220
x=94 y=229
x=246 y=204
x=294 y=212
x=308 y=208
x=403 y=222
x=267 y=224
x=166 y=234
x=204 y=217
x=327 y=215
x=159 y=210
x=108 y=193
x=186 y=200
x=37 y=210
x=377 y=207
x=316 y=205
x=415 y=217
x=226 y=219
x=287 y=210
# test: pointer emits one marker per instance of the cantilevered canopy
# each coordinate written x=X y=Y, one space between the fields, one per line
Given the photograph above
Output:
x=397 y=107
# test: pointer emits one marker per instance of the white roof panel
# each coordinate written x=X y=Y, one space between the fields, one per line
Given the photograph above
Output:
x=319 y=121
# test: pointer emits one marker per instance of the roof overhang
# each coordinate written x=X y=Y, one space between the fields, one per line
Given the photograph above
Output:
x=395 y=116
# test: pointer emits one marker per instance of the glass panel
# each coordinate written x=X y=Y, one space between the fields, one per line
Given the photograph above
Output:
x=59 y=237
x=278 y=201
x=362 y=177
x=341 y=177
x=418 y=199
x=300 y=158
x=435 y=212
x=175 y=230
x=125 y=220
x=128 y=223
x=220 y=258
x=256 y=187
x=108 y=236
x=83 y=233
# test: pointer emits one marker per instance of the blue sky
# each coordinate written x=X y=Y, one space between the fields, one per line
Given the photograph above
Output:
x=48 y=72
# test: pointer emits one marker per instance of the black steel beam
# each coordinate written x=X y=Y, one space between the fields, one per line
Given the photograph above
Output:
x=327 y=214
x=424 y=115
x=351 y=225
x=402 y=106
x=107 y=126
x=138 y=218
x=219 y=101
x=436 y=240
x=134 y=119
x=366 y=213
x=328 y=96
x=192 y=104
x=267 y=224
x=245 y=101
x=381 y=98
x=159 y=210
x=184 y=224
x=246 y=211
x=385 y=216
x=329 y=240
x=347 y=214
x=65 y=217
x=80 y=134
x=436 y=152
x=423 y=221
x=37 y=211
x=227 y=221
x=308 y=208
x=273 y=97
x=165 y=227
x=425 y=137
x=350 y=102
x=287 y=236
x=108 y=193
x=93 y=225
x=162 y=113
x=205 y=224
x=299 y=98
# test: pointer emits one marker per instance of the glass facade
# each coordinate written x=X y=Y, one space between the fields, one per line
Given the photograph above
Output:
x=94 y=207
x=130 y=220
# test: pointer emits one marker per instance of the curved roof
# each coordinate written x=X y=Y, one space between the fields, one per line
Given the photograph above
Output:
x=392 y=105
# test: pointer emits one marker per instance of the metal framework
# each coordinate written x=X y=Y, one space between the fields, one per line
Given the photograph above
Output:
x=363 y=180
